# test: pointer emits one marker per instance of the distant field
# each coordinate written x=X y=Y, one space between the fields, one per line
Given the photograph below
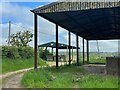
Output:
x=9 y=65
x=95 y=58
x=67 y=77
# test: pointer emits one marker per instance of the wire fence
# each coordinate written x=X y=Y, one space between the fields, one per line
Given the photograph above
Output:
x=9 y=28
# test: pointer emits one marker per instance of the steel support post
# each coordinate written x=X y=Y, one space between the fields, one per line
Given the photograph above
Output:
x=56 y=45
x=83 y=52
x=77 y=50
x=35 y=41
x=69 y=48
x=87 y=51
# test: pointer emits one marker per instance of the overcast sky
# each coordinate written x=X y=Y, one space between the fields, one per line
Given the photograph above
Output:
x=19 y=14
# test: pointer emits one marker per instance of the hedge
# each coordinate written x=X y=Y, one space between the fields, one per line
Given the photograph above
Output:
x=17 y=52
x=23 y=52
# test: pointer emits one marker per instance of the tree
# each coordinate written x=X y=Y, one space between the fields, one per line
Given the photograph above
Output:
x=21 y=38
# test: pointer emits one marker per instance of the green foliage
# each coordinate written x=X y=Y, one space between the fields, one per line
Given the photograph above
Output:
x=17 y=52
x=21 y=39
x=9 y=65
x=10 y=52
x=5 y=51
x=44 y=53
x=41 y=53
x=47 y=52
x=25 y=52
x=22 y=52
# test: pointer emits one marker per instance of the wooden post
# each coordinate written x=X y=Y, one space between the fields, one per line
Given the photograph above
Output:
x=77 y=50
x=72 y=53
x=9 y=33
x=56 y=45
x=69 y=49
x=87 y=51
x=52 y=54
x=35 y=41
x=83 y=52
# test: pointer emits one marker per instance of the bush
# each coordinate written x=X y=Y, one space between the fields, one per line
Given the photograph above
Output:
x=40 y=51
x=43 y=53
x=10 y=52
x=17 y=52
x=25 y=52
x=4 y=51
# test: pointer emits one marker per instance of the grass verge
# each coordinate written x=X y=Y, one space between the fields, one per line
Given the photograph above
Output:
x=51 y=77
x=9 y=65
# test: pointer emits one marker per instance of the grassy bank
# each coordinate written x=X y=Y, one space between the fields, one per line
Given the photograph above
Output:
x=9 y=65
x=67 y=77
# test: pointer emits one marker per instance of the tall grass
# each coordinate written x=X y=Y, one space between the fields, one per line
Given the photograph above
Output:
x=9 y=65
x=67 y=77
x=51 y=77
x=98 y=81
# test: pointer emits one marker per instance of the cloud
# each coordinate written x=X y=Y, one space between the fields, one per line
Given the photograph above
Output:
x=21 y=16
x=104 y=45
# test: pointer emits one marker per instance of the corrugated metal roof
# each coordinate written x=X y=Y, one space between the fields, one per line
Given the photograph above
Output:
x=72 y=6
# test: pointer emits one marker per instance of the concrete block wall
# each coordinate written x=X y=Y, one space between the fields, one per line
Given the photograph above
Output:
x=113 y=65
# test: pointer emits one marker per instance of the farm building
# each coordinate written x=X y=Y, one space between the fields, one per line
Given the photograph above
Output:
x=89 y=20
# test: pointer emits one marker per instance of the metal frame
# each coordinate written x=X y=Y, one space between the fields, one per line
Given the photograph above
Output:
x=35 y=41
x=83 y=52
x=52 y=54
x=87 y=51
x=77 y=44
x=56 y=45
x=69 y=48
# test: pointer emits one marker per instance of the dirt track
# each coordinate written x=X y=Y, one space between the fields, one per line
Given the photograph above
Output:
x=14 y=78
x=14 y=81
